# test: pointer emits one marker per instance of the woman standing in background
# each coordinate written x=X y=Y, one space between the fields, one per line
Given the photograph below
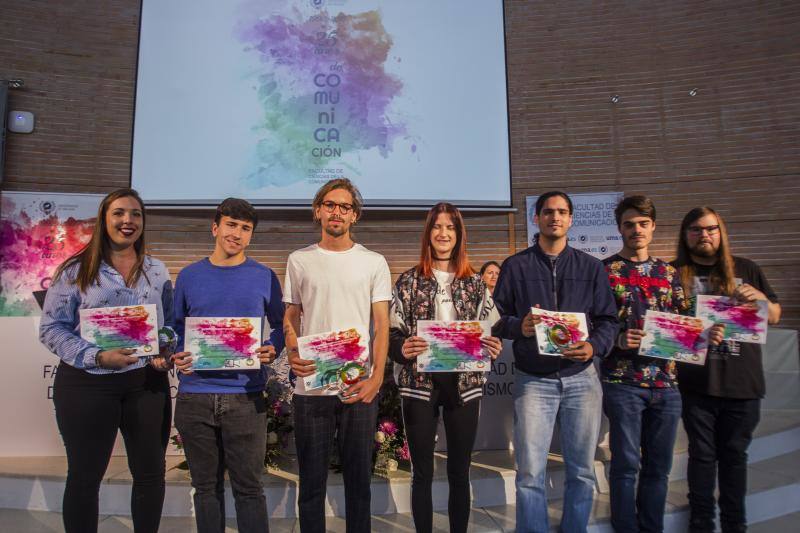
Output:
x=490 y=271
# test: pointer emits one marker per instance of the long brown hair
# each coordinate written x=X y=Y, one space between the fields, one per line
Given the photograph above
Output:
x=99 y=247
x=722 y=278
x=458 y=258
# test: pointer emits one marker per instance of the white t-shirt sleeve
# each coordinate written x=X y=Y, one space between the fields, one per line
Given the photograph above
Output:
x=381 y=282
x=291 y=283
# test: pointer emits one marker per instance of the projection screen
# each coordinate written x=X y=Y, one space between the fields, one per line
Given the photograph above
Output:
x=265 y=100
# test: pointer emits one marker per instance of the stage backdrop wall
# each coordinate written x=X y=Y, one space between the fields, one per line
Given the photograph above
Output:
x=706 y=110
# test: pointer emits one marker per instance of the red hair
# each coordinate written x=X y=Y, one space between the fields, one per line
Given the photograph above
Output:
x=458 y=257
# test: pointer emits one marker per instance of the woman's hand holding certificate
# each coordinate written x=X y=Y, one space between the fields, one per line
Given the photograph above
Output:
x=116 y=359
x=414 y=346
x=456 y=346
x=492 y=345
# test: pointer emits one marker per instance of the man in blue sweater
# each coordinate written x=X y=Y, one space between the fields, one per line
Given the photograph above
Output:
x=566 y=388
x=222 y=415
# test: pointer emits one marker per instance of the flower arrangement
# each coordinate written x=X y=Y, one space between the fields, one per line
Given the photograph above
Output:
x=391 y=446
x=279 y=417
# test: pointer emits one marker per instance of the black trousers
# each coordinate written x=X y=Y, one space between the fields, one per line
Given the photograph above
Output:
x=316 y=420
x=90 y=409
x=720 y=431
x=421 y=418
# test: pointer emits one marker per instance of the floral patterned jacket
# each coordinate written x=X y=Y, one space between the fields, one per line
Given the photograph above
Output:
x=414 y=299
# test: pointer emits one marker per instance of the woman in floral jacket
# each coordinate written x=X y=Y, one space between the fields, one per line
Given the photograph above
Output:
x=443 y=286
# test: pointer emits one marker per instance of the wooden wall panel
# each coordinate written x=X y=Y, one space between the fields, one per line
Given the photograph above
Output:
x=735 y=145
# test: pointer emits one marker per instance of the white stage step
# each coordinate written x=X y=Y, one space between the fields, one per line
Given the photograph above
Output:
x=37 y=483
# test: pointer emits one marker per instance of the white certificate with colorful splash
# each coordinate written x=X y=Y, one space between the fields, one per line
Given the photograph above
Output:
x=341 y=358
x=558 y=329
x=130 y=326
x=744 y=321
x=223 y=343
x=454 y=346
x=677 y=337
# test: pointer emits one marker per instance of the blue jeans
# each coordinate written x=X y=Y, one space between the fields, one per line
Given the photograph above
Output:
x=575 y=402
x=647 y=420
x=225 y=431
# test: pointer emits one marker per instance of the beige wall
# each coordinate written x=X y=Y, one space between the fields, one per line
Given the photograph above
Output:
x=734 y=146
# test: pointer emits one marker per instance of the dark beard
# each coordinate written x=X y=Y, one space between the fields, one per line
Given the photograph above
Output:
x=335 y=233
x=702 y=252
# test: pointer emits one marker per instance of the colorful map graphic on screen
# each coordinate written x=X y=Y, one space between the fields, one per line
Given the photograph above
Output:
x=324 y=90
x=38 y=231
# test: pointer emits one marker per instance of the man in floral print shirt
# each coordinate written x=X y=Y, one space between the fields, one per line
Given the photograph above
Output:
x=640 y=394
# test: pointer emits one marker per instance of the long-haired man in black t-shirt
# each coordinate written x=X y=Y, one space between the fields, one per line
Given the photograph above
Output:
x=721 y=400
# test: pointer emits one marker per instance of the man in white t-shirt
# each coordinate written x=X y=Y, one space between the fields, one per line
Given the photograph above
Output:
x=336 y=285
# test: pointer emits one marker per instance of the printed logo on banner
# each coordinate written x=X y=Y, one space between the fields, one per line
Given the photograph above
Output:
x=47 y=207
x=38 y=231
x=593 y=230
x=320 y=4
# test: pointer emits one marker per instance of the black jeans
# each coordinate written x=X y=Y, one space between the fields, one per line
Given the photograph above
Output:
x=316 y=420
x=90 y=408
x=421 y=418
x=720 y=431
x=219 y=432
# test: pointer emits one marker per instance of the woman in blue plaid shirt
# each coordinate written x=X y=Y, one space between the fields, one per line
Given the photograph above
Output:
x=97 y=391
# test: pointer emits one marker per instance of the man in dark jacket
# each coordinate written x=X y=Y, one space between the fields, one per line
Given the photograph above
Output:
x=547 y=388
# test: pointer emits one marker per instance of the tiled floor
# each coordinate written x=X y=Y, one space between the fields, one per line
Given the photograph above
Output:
x=486 y=520
x=15 y=521
x=785 y=524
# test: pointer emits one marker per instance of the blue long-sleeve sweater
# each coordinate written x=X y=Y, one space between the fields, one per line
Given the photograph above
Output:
x=249 y=289
x=577 y=282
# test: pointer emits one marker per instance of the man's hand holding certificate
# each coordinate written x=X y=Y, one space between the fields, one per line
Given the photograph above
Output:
x=561 y=333
x=341 y=358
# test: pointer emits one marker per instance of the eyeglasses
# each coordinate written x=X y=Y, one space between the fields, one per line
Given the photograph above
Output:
x=330 y=207
x=698 y=230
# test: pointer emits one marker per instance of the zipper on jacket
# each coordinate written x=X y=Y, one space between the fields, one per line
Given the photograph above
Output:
x=555 y=301
x=555 y=285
